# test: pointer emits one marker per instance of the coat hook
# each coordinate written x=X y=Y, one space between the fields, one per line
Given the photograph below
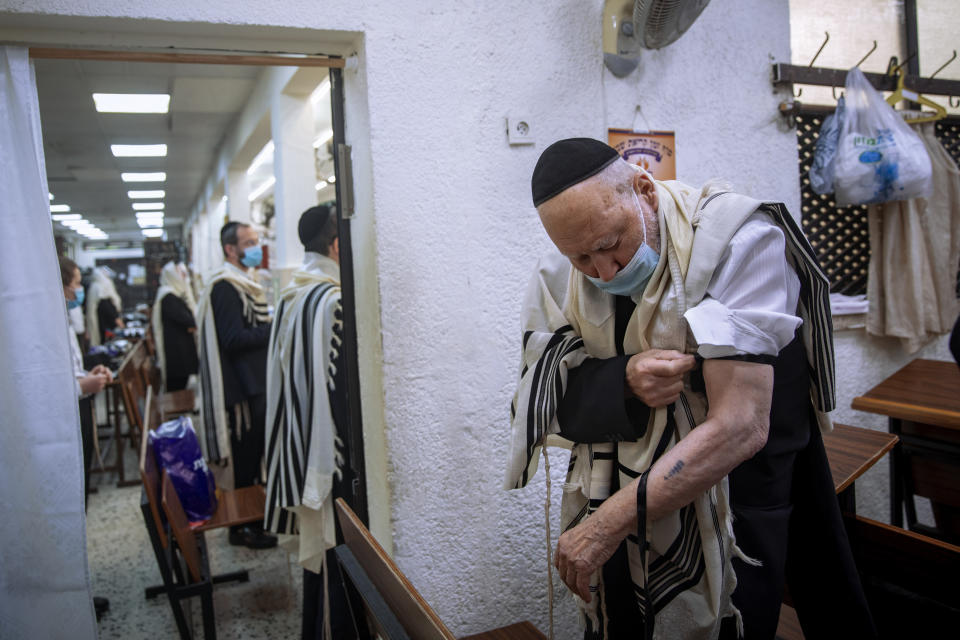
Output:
x=815 y=56
x=950 y=100
x=833 y=90
x=952 y=58
x=868 y=54
x=896 y=69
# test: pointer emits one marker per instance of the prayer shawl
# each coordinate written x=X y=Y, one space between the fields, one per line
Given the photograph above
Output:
x=303 y=453
x=101 y=288
x=171 y=282
x=214 y=433
x=683 y=571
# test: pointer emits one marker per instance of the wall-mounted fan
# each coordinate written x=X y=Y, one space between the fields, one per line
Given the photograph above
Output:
x=632 y=25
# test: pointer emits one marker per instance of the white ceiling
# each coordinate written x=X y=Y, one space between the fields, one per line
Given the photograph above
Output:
x=82 y=172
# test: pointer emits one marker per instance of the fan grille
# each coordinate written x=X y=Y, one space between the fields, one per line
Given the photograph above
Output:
x=660 y=22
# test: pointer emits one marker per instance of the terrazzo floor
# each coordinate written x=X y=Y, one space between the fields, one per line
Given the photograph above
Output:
x=122 y=565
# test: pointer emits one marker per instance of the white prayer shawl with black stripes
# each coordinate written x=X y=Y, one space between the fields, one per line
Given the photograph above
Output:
x=686 y=576
x=101 y=288
x=171 y=282
x=302 y=450
x=213 y=431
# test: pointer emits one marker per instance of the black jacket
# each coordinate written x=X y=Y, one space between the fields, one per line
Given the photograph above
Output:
x=107 y=314
x=243 y=346
x=179 y=345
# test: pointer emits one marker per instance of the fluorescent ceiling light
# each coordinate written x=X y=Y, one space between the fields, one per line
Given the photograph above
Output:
x=149 y=214
x=134 y=195
x=132 y=102
x=320 y=185
x=62 y=217
x=262 y=156
x=150 y=224
x=321 y=91
x=332 y=179
x=157 y=176
x=147 y=206
x=138 y=150
x=262 y=189
x=59 y=208
x=141 y=219
x=322 y=138
x=50 y=194
x=152 y=233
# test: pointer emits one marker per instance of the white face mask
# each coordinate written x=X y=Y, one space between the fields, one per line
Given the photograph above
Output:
x=632 y=279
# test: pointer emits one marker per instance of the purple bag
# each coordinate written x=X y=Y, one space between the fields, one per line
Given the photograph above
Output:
x=178 y=452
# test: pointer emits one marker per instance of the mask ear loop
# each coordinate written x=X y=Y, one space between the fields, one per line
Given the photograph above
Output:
x=643 y=218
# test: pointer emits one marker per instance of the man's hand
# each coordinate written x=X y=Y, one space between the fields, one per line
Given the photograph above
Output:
x=93 y=383
x=656 y=376
x=102 y=370
x=585 y=548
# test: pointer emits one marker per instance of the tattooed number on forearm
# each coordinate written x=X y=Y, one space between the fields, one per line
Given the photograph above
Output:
x=675 y=470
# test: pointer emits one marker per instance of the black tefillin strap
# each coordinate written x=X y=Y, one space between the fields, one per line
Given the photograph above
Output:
x=649 y=614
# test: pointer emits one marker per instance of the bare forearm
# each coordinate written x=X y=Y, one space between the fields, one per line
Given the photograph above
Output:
x=695 y=464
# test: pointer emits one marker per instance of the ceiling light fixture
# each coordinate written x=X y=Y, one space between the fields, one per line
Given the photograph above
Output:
x=50 y=194
x=132 y=102
x=322 y=138
x=262 y=156
x=59 y=208
x=152 y=233
x=332 y=179
x=63 y=217
x=157 y=176
x=137 y=195
x=147 y=206
x=138 y=150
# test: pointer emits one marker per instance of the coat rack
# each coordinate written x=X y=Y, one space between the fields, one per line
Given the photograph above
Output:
x=825 y=77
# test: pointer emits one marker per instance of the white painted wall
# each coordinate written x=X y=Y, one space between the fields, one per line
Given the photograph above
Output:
x=446 y=237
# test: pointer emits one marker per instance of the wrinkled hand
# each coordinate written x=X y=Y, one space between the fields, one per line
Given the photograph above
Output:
x=656 y=376
x=102 y=370
x=584 y=549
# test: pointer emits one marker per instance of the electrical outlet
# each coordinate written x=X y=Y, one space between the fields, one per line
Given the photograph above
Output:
x=519 y=131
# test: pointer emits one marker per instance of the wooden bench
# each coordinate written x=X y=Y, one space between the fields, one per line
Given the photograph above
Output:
x=394 y=607
x=180 y=549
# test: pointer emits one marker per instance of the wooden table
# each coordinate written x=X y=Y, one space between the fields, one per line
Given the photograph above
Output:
x=850 y=452
x=922 y=405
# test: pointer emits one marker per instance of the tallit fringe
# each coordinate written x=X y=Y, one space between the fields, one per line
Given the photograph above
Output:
x=546 y=512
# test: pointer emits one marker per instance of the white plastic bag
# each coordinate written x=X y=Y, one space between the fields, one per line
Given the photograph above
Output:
x=879 y=158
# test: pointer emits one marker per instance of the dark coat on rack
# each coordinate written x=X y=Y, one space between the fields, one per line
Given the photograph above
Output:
x=179 y=345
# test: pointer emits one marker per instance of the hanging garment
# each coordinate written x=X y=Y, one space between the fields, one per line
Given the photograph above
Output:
x=44 y=577
x=914 y=255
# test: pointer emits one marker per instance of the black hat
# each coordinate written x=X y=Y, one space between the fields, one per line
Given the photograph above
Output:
x=567 y=162
x=312 y=222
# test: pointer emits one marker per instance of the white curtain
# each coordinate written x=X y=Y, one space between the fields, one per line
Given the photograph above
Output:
x=44 y=582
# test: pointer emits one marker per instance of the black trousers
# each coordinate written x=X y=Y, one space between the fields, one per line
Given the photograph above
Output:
x=247 y=440
x=341 y=623
x=177 y=383
x=787 y=516
x=86 y=439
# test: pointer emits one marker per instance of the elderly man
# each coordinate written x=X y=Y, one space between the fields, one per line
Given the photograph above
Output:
x=682 y=335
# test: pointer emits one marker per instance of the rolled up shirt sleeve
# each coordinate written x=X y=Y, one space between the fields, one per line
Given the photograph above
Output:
x=750 y=307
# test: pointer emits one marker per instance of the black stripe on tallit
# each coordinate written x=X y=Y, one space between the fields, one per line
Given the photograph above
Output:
x=815 y=299
x=210 y=420
x=546 y=387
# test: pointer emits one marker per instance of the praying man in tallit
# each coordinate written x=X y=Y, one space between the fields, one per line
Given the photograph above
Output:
x=234 y=328
x=104 y=307
x=679 y=342
x=307 y=463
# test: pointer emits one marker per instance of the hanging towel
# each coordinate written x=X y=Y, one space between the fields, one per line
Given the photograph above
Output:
x=914 y=254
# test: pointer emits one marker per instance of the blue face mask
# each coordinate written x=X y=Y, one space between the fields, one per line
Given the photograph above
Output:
x=78 y=299
x=252 y=257
x=632 y=279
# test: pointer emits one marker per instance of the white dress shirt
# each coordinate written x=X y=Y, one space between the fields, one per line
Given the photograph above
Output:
x=751 y=303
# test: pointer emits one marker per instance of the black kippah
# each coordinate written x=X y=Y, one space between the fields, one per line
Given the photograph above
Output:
x=567 y=162
x=312 y=222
